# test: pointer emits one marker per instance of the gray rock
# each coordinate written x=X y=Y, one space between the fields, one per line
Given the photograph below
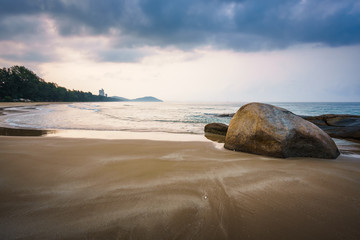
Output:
x=216 y=128
x=225 y=115
x=335 y=120
x=268 y=130
x=338 y=125
x=216 y=132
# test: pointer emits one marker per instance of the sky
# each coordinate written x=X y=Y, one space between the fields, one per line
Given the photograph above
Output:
x=189 y=50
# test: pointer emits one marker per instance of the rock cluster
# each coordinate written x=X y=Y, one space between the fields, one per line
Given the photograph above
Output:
x=337 y=125
x=268 y=130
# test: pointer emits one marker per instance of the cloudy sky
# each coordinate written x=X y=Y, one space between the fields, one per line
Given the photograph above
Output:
x=189 y=50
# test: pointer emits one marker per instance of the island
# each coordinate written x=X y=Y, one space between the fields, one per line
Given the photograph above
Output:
x=142 y=99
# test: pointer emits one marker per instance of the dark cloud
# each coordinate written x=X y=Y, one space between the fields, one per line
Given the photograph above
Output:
x=242 y=25
x=28 y=56
x=13 y=27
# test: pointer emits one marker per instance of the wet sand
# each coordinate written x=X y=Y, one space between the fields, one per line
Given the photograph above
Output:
x=25 y=104
x=59 y=188
x=4 y=105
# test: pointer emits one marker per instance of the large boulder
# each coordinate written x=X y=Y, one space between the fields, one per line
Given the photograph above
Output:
x=268 y=130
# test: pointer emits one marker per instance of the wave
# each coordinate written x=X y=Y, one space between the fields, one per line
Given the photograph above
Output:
x=85 y=108
x=168 y=118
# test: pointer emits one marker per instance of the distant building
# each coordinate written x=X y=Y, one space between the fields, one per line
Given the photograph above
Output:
x=101 y=92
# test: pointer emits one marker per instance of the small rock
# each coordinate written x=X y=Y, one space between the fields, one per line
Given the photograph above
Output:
x=216 y=128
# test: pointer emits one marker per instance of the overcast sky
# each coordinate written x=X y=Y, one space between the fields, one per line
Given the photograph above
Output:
x=189 y=50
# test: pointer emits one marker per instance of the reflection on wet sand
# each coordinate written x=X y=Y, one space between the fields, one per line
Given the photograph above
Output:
x=55 y=188
x=215 y=137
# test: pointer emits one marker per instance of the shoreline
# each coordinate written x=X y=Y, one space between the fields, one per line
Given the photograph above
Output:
x=101 y=134
x=7 y=130
x=68 y=188
x=26 y=104
x=346 y=146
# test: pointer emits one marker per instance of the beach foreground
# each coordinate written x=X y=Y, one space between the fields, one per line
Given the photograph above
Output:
x=58 y=188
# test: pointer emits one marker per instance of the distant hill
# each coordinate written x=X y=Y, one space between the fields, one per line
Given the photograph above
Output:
x=120 y=98
x=21 y=84
x=142 y=99
x=147 y=99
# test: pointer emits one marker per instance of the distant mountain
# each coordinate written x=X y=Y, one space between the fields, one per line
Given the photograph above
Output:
x=142 y=99
x=147 y=99
x=121 y=98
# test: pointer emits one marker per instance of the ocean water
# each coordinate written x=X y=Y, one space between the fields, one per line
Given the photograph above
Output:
x=164 y=117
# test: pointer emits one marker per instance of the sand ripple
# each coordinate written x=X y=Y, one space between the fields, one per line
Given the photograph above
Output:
x=55 y=188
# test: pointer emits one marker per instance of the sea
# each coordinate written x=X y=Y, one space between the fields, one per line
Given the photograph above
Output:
x=148 y=119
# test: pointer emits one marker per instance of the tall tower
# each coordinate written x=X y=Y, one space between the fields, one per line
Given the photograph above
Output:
x=101 y=92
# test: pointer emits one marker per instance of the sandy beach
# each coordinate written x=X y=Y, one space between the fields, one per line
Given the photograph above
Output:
x=179 y=120
x=25 y=104
x=59 y=188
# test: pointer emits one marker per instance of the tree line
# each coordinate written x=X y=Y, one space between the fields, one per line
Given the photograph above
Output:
x=18 y=82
